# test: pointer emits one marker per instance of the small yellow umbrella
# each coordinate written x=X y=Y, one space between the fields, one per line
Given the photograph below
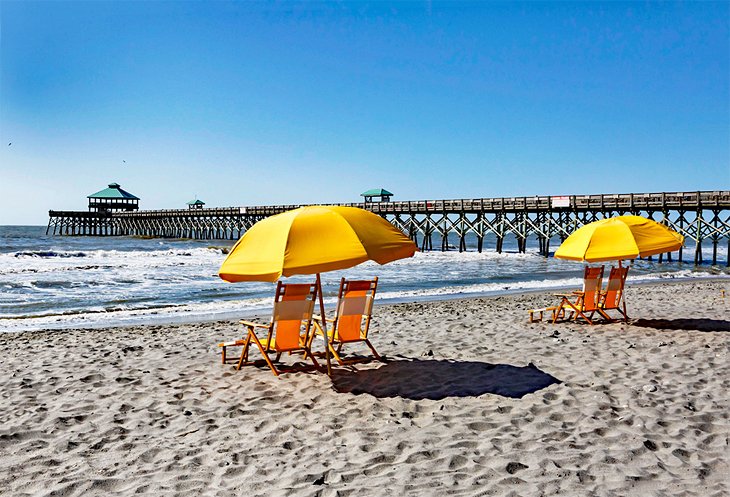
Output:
x=617 y=238
x=312 y=240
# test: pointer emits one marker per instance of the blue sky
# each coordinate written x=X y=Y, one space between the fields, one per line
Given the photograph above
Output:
x=269 y=103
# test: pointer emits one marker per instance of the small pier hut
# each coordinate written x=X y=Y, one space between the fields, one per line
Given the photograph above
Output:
x=113 y=198
x=379 y=193
x=196 y=204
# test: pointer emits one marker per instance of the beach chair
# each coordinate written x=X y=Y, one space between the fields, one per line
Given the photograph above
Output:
x=352 y=317
x=537 y=314
x=586 y=301
x=613 y=297
x=289 y=329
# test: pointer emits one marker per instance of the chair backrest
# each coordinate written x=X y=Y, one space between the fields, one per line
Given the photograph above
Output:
x=293 y=308
x=354 y=304
x=592 y=280
x=615 y=287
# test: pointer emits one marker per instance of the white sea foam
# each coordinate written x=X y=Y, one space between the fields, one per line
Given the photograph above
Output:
x=72 y=282
x=231 y=309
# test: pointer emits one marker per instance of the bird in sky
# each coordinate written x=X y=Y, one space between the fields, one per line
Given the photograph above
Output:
x=124 y=161
x=10 y=144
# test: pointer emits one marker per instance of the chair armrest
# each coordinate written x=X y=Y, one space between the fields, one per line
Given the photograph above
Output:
x=254 y=325
x=574 y=293
x=317 y=317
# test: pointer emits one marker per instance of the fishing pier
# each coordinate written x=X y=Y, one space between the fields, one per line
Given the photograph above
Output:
x=702 y=217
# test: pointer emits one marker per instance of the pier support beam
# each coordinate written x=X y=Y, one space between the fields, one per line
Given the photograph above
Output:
x=702 y=217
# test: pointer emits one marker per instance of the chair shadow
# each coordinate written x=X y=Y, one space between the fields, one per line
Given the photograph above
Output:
x=684 y=324
x=417 y=379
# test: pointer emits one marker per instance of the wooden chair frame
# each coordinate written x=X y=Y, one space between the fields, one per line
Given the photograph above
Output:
x=540 y=313
x=586 y=301
x=354 y=305
x=291 y=322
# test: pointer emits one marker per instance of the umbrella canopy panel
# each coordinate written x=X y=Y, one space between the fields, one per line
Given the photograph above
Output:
x=622 y=237
x=314 y=239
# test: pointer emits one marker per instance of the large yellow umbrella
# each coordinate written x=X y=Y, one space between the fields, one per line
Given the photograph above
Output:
x=312 y=240
x=617 y=238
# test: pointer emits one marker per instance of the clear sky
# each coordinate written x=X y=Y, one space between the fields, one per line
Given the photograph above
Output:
x=271 y=103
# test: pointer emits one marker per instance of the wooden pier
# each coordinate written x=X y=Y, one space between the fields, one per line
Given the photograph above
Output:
x=702 y=217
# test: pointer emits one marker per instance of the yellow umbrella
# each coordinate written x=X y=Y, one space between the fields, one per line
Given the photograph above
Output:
x=617 y=238
x=312 y=240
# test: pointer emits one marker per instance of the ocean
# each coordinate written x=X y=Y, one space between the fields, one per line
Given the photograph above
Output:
x=54 y=282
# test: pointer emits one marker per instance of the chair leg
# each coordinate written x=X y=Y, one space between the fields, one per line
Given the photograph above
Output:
x=308 y=351
x=587 y=318
x=308 y=346
x=244 y=353
x=605 y=315
x=336 y=354
x=574 y=312
x=375 y=352
x=558 y=313
x=317 y=330
x=223 y=354
x=581 y=314
x=623 y=317
x=267 y=358
x=263 y=353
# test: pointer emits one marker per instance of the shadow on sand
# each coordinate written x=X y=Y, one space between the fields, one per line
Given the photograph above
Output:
x=684 y=324
x=417 y=379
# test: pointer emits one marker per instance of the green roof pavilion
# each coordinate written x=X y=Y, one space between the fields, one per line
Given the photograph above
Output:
x=196 y=204
x=113 y=198
x=381 y=193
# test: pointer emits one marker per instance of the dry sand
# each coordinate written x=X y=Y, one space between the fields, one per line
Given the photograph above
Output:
x=474 y=400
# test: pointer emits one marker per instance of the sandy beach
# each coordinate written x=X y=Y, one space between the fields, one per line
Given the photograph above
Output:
x=473 y=400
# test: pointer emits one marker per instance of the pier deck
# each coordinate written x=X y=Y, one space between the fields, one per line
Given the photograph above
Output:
x=702 y=217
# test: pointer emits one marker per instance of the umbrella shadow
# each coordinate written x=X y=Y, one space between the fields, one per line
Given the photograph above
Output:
x=417 y=379
x=684 y=324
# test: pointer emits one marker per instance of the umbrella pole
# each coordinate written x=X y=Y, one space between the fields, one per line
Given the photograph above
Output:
x=324 y=326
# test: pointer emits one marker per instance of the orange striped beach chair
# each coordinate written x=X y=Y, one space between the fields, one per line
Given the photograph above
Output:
x=289 y=330
x=352 y=317
x=613 y=297
x=586 y=301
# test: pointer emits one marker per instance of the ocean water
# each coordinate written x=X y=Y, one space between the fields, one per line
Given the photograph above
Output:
x=49 y=282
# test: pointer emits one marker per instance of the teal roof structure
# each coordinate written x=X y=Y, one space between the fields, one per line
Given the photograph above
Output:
x=196 y=202
x=114 y=191
x=375 y=192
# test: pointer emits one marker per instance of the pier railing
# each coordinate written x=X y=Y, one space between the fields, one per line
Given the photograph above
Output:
x=629 y=201
x=702 y=217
